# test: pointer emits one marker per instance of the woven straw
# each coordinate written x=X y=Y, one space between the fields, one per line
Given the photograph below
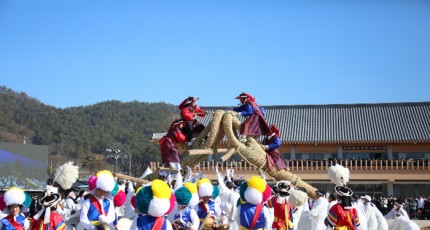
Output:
x=210 y=132
x=214 y=127
x=227 y=124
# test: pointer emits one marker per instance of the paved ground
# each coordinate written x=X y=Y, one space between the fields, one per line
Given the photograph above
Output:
x=424 y=224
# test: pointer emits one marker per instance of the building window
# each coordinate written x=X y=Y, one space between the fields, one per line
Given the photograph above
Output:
x=315 y=156
x=373 y=190
x=415 y=156
x=403 y=190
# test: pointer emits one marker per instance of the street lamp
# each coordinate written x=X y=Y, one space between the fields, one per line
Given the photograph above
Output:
x=115 y=156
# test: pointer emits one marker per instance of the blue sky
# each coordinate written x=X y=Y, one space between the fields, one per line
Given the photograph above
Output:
x=72 y=53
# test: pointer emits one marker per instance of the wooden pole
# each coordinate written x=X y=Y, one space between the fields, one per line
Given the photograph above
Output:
x=229 y=153
x=134 y=179
x=204 y=151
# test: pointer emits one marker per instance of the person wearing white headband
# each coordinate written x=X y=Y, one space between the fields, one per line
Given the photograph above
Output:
x=396 y=212
x=319 y=211
x=14 y=199
x=47 y=217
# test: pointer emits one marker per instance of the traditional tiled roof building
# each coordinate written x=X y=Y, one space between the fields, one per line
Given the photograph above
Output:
x=380 y=134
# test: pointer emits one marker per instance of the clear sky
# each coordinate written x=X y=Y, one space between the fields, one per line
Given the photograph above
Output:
x=80 y=52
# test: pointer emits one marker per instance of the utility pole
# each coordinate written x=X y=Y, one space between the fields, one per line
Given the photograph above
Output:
x=129 y=169
x=116 y=163
x=117 y=155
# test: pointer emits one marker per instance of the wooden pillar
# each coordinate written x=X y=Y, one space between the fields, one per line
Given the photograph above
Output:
x=339 y=152
x=389 y=152
x=292 y=152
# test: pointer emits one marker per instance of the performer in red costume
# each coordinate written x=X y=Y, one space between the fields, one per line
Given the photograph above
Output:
x=189 y=110
x=48 y=218
x=342 y=216
x=255 y=123
x=271 y=145
x=169 y=152
x=281 y=208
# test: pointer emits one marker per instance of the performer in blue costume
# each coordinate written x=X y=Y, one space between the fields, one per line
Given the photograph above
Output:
x=251 y=213
x=99 y=209
x=271 y=145
x=255 y=123
x=154 y=201
x=207 y=210
x=14 y=199
x=187 y=198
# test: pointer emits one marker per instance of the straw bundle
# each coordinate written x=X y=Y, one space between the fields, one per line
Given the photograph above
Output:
x=214 y=128
x=210 y=132
x=227 y=124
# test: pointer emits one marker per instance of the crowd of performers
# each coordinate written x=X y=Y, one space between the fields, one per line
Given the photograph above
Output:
x=193 y=202
x=183 y=130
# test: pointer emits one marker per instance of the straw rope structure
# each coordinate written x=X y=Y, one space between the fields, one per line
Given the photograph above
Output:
x=226 y=124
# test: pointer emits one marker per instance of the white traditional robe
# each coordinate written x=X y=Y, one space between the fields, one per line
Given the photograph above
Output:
x=396 y=213
x=372 y=223
x=319 y=213
x=382 y=223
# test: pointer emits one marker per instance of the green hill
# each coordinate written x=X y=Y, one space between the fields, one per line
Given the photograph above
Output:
x=82 y=134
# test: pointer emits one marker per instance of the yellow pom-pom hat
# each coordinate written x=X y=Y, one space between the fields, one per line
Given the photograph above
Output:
x=155 y=199
x=187 y=195
x=105 y=181
x=204 y=187
x=255 y=190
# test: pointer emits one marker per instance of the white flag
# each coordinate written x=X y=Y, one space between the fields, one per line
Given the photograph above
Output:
x=146 y=173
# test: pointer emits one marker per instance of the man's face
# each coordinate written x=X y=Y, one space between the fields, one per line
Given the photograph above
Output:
x=14 y=209
x=206 y=199
x=101 y=194
x=72 y=195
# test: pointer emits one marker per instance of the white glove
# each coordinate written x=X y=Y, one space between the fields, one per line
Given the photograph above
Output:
x=102 y=219
x=130 y=184
x=266 y=147
x=262 y=174
x=228 y=174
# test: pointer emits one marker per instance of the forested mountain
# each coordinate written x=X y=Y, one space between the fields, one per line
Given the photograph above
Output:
x=83 y=134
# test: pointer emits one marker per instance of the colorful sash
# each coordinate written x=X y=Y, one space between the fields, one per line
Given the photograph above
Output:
x=95 y=210
x=15 y=224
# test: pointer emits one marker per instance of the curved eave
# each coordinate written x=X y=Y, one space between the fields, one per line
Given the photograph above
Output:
x=355 y=142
